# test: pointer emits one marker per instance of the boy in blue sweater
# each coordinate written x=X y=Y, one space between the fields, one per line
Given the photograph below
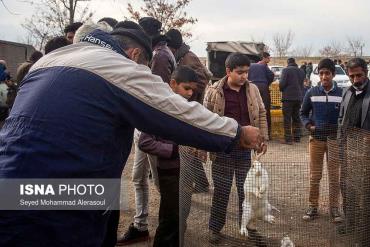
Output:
x=324 y=103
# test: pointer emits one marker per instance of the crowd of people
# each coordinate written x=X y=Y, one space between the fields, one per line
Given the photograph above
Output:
x=105 y=85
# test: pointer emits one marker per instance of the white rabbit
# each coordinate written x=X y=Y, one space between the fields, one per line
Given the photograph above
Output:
x=256 y=205
x=286 y=242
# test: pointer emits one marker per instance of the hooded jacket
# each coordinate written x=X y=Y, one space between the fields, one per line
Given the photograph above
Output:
x=74 y=117
x=163 y=62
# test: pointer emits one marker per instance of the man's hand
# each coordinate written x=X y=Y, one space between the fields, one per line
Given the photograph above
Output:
x=311 y=128
x=262 y=149
x=250 y=138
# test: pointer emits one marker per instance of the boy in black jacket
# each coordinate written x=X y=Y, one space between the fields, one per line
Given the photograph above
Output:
x=183 y=82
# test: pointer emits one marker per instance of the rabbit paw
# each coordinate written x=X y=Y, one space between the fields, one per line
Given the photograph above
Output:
x=270 y=219
x=259 y=195
x=244 y=231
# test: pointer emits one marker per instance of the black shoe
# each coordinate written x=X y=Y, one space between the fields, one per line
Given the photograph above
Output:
x=214 y=237
x=335 y=215
x=311 y=213
x=257 y=238
x=133 y=235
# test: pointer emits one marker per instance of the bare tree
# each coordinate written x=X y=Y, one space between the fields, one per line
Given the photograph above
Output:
x=52 y=16
x=334 y=49
x=266 y=48
x=355 y=46
x=302 y=51
x=7 y=9
x=171 y=13
x=282 y=43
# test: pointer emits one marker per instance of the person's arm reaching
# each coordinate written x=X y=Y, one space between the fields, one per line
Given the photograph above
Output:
x=149 y=144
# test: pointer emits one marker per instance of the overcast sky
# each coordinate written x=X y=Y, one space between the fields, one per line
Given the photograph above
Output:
x=314 y=22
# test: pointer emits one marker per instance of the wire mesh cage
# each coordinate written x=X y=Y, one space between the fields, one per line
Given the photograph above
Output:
x=272 y=207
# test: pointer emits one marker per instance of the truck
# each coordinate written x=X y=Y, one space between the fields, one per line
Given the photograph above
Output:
x=217 y=53
x=14 y=54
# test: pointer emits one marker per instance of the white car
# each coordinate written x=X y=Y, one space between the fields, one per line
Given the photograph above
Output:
x=276 y=69
x=340 y=78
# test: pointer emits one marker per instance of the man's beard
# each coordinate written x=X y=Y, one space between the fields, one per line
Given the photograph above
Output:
x=360 y=87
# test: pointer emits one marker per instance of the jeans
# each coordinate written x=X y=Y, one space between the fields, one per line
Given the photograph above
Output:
x=224 y=167
x=143 y=162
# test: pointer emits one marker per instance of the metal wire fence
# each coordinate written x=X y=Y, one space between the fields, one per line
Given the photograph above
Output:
x=269 y=198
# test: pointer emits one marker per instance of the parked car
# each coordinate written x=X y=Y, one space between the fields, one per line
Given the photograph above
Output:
x=340 y=78
x=276 y=69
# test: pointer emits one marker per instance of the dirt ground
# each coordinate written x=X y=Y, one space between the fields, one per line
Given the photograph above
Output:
x=289 y=180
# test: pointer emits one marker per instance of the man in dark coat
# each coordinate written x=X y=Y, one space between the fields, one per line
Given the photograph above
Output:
x=291 y=86
x=184 y=56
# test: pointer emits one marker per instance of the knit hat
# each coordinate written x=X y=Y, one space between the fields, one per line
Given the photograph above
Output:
x=138 y=35
x=174 y=38
x=151 y=26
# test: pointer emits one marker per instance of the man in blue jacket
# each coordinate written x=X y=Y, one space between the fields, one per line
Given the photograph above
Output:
x=323 y=102
x=260 y=75
x=74 y=117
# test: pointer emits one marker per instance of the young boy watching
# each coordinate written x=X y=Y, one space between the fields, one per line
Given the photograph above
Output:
x=319 y=114
x=183 y=81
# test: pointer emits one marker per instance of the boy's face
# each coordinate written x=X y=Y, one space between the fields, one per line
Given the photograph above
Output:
x=326 y=77
x=238 y=76
x=70 y=36
x=185 y=89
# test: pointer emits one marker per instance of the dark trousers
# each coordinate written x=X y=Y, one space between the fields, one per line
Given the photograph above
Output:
x=223 y=169
x=167 y=234
x=355 y=184
x=266 y=98
x=292 y=123
x=110 y=239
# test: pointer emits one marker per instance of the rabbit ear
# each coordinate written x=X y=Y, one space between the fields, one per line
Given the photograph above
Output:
x=257 y=156
x=254 y=155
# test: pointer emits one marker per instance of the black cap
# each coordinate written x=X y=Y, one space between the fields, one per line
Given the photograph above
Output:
x=151 y=26
x=174 y=38
x=111 y=21
x=128 y=25
x=138 y=35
